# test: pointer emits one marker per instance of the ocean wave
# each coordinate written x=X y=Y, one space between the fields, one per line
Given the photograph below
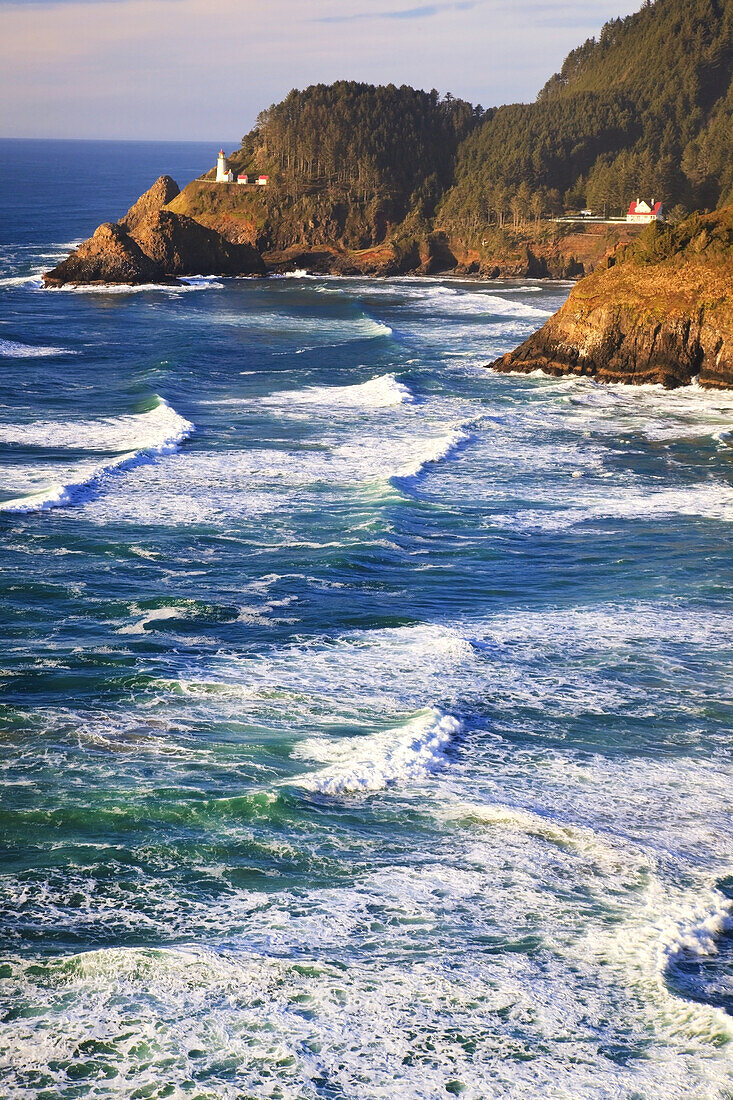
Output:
x=153 y=615
x=651 y=411
x=711 y=500
x=408 y=754
x=324 y=331
x=22 y=280
x=450 y=301
x=151 y=430
x=190 y=283
x=13 y=349
x=139 y=437
x=384 y=453
x=381 y=392
x=431 y=452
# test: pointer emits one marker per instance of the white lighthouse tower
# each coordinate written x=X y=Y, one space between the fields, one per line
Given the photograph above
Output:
x=223 y=174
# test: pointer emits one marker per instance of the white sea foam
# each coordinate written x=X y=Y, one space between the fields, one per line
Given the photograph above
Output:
x=152 y=615
x=407 y=754
x=432 y=451
x=13 y=349
x=698 y=935
x=596 y=503
x=322 y=331
x=385 y=453
x=33 y=280
x=381 y=392
x=140 y=437
x=154 y=430
x=454 y=301
x=192 y=283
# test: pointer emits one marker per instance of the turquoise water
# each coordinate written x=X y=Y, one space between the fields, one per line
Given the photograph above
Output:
x=365 y=715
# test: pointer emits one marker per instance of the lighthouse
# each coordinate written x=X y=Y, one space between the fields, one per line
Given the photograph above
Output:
x=223 y=174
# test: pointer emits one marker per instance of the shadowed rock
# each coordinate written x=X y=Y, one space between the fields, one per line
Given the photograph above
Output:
x=163 y=191
x=180 y=246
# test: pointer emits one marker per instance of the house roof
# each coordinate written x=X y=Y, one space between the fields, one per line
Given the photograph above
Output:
x=644 y=208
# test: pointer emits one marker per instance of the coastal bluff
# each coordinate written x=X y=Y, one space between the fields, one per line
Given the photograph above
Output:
x=152 y=244
x=659 y=311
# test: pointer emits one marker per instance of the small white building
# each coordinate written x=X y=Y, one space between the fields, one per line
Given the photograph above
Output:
x=642 y=213
x=262 y=181
x=223 y=174
x=243 y=180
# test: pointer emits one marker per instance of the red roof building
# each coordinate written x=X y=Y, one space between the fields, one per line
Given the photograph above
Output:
x=643 y=212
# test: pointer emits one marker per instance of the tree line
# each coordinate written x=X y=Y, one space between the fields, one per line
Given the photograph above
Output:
x=364 y=142
x=646 y=110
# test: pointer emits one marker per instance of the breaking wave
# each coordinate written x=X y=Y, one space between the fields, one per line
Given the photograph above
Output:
x=139 y=438
x=434 y=450
x=194 y=282
x=381 y=392
x=699 y=936
x=407 y=754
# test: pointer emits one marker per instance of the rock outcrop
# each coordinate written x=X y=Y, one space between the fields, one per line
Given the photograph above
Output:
x=163 y=191
x=180 y=246
x=110 y=256
x=154 y=245
x=661 y=311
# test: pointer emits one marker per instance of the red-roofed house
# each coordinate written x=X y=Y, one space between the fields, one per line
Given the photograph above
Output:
x=642 y=212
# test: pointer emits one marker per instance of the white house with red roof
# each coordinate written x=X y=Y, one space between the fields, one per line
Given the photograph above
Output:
x=642 y=213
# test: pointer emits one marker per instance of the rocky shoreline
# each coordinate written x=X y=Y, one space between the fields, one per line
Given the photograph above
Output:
x=209 y=230
x=152 y=244
x=660 y=312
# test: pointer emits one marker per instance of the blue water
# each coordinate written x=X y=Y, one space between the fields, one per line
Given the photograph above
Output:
x=365 y=715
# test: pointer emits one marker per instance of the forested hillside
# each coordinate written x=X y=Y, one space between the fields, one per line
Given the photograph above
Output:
x=367 y=156
x=646 y=109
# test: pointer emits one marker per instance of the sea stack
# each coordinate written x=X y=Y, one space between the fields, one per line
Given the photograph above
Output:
x=151 y=244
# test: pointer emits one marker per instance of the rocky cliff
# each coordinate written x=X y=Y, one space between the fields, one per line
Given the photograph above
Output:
x=163 y=191
x=152 y=244
x=660 y=311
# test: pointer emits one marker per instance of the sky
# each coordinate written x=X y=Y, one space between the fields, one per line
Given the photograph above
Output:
x=203 y=69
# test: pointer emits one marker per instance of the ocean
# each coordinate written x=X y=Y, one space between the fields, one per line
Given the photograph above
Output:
x=365 y=714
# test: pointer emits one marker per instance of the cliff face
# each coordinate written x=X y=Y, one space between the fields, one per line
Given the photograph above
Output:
x=152 y=244
x=660 y=312
x=163 y=191
x=212 y=229
x=180 y=246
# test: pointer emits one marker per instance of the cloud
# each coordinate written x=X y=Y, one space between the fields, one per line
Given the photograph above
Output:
x=203 y=69
x=425 y=11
